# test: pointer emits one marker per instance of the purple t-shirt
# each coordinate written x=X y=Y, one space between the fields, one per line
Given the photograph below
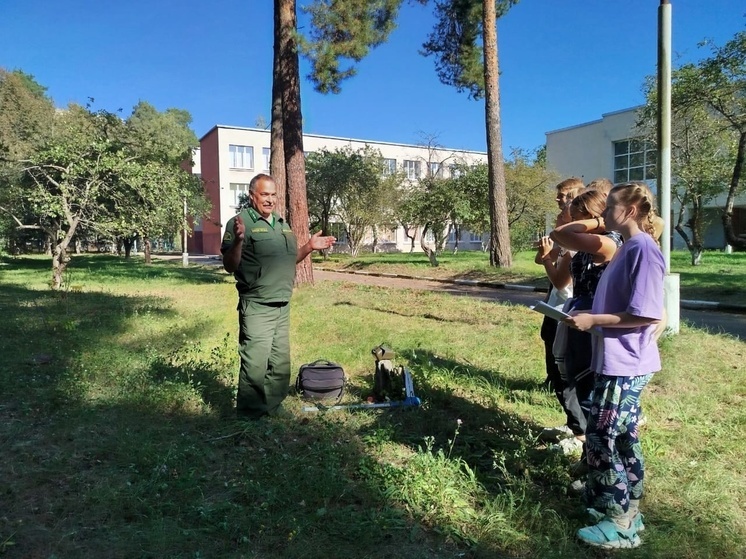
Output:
x=632 y=283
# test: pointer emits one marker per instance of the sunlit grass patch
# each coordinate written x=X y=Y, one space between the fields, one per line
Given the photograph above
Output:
x=119 y=438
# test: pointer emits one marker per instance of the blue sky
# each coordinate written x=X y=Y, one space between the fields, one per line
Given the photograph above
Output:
x=563 y=62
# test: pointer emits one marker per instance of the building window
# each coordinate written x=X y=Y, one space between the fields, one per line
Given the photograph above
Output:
x=236 y=190
x=456 y=171
x=634 y=160
x=434 y=169
x=475 y=237
x=389 y=167
x=265 y=158
x=241 y=157
x=412 y=169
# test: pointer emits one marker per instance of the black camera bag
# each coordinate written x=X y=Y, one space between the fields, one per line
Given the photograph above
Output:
x=321 y=380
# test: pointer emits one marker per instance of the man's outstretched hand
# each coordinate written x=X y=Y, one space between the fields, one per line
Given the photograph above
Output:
x=317 y=242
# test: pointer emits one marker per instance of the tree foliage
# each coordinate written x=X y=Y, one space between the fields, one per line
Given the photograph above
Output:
x=85 y=170
x=528 y=191
x=343 y=32
x=349 y=186
x=456 y=43
x=26 y=116
x=702 y=151
x=718 y=83
x=153 y=191
x=437 y=205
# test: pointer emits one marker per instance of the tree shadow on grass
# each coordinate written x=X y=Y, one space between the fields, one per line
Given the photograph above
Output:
x=205 y=377
x=492 y=427
x=84 y=268
x=427 y=315
x=145 y=473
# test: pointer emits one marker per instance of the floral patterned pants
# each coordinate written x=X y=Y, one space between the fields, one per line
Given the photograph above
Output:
x=614 y=454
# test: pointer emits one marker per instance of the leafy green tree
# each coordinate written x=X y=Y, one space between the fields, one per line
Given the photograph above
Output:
x=69 y=177
x=529 y=198
x=96 y=172
x=719 y=84
x=327 y=174
x=437 y=205
x=701 y=154
x=154 y=189
x=26 y=116
x=350 y=186
x=344 y=31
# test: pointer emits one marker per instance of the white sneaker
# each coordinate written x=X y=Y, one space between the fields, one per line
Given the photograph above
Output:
x=569 y=446
x=554 y=434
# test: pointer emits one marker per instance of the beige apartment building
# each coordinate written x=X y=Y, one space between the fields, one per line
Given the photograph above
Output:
x=611 y=147
x=230 y=156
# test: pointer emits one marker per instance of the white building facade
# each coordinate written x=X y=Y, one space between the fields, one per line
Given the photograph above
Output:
x=229 y=157
x=612 y=148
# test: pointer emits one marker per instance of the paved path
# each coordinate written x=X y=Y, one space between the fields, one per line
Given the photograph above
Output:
x=714 y=321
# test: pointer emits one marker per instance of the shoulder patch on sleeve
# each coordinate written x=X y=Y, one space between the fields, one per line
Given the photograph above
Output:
x=228 y=236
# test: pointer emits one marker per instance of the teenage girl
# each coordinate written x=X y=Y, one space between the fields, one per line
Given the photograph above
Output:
x=555 y=261
x=594 y=248
x=627 y=307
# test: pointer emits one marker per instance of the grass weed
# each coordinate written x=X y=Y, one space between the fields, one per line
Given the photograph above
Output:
x=119 y=439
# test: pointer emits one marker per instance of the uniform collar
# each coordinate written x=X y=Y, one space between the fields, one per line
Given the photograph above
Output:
x=255 y=216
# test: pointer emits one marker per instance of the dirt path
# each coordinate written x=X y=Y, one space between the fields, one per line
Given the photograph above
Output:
x=713 y=321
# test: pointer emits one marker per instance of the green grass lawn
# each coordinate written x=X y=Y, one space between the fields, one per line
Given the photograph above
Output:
x=721 y=277
x=118 y=437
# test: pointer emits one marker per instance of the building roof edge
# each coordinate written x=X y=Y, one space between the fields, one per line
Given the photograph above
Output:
x=328 y=137
x=603 y=116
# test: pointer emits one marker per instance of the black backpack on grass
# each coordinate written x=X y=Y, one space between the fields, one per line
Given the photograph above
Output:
x=321 y=380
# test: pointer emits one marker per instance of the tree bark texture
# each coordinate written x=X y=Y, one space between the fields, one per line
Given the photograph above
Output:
x=60 y=258
x=500 y=254
x=431 y=254
x=730 y=235
x=146 y=247
x=277 y=146
x=292 y=133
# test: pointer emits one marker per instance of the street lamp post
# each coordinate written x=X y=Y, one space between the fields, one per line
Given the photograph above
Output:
x=184 y=253
x=671 y=281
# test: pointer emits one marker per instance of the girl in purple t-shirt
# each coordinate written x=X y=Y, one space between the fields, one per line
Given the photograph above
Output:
x=627 y=306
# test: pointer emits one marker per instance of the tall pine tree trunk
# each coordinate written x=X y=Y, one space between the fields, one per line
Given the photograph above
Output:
x=292 y=134
x=500 y=254
x=277 y=146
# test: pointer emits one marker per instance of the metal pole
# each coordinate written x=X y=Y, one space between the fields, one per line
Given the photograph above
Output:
x=671 y=281
x=184 y=253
